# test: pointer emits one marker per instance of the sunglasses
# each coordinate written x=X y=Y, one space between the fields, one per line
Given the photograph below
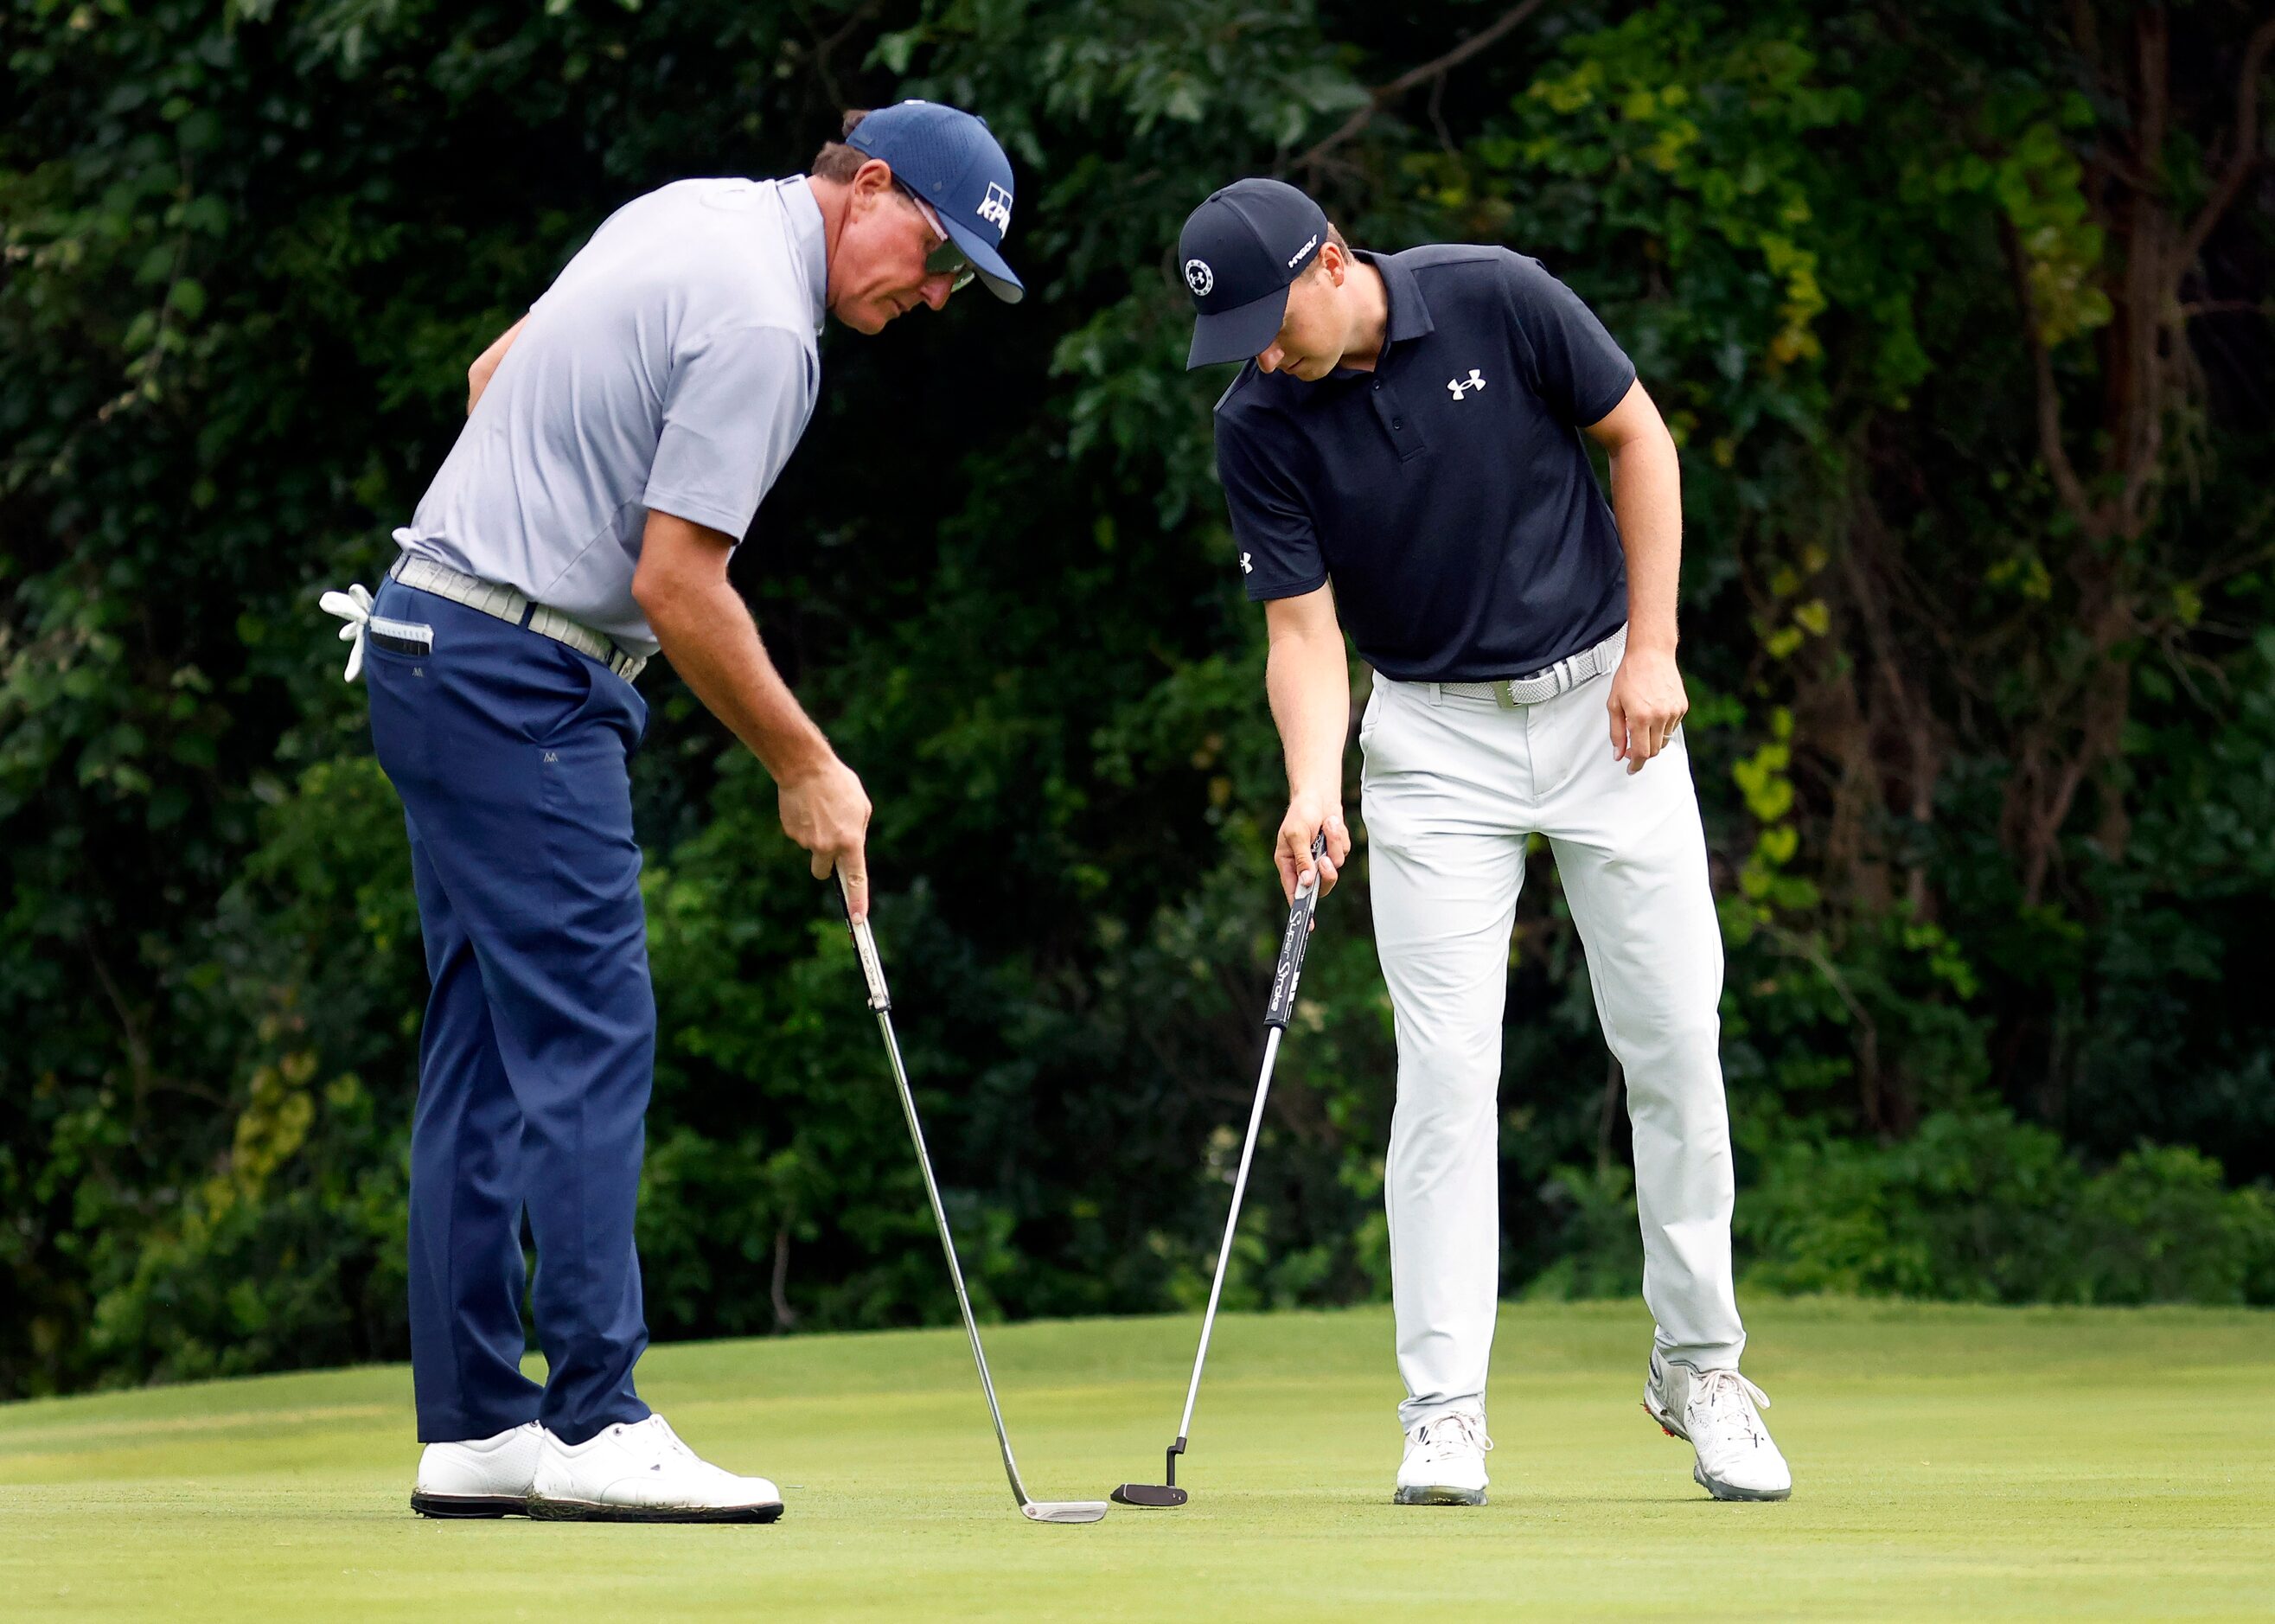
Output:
x=946 y=259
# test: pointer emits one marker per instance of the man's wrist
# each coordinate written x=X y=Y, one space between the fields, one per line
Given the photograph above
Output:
x=799 y=761
x=1650 y=640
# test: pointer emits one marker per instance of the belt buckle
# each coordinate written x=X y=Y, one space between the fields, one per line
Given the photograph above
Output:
x=1504 y=692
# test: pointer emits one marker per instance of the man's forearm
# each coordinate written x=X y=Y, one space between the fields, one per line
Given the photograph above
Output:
x=486 y=365
x=711 y=641
x=1310 y=690
x=1647 y=500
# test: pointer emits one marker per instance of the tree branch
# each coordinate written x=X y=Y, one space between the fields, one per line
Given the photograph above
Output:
x=1436 y=68
x=1812 y=952
x=778 y=1284
x=2058 y=466
x=2246 y=157
x=824 y=46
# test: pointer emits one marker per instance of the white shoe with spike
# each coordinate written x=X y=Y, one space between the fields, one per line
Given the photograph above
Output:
x=1445 y=1462
x=1719 y=1414
x=638 y=1471
x=480 y=1477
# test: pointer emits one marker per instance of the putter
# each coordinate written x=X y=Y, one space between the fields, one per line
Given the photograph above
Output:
x=1289 y=971
x=873 y=970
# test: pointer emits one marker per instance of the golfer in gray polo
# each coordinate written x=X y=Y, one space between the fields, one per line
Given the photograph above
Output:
x=619 y=439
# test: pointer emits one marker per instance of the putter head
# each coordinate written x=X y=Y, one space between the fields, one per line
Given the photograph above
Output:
x=1062 y=1511
x=1150 y=1494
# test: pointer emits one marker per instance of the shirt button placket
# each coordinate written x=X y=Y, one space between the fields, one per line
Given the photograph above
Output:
x=1393 y=419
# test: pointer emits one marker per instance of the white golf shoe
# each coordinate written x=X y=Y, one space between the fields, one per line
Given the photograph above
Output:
x=480 y=1477
x=1445 y=1462
x=1719 y=1414
x=638 y=1471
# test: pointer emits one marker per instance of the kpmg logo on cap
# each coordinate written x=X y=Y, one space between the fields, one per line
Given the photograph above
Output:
x=1199 y=277
x=995 y=207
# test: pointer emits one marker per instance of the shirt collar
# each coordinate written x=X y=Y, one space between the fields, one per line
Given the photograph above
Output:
x=811 y=251
x=1409 y=311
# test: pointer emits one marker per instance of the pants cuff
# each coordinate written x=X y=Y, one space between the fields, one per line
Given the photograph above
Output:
x=1415 y=1412
x=458 y=1427
x=1712 y=1356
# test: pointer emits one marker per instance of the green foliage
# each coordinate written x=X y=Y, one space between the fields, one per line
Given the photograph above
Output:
x=284 y=1242
x=246 y=252
x=1979 y=1207
x=1601 y=1252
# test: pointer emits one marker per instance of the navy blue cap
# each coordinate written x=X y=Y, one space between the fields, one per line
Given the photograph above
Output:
x=1240 y=251
x=948 y=157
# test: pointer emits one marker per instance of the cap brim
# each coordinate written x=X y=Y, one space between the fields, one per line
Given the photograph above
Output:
x=1236 y=334
x=1000 y=278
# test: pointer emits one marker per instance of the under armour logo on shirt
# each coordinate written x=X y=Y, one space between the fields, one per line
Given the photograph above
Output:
x=1246 y=568
x=996 y=207
x=1477 y=381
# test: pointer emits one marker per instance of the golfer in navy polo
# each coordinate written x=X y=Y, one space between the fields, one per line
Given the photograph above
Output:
x=1401 y=455
x=619 y=439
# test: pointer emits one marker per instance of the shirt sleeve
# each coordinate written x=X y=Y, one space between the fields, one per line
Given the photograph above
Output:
x=738 y=401
x=1577 y=367
x=1280 y=554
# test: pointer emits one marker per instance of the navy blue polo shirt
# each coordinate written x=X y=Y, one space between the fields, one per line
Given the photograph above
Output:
x=1446 y=493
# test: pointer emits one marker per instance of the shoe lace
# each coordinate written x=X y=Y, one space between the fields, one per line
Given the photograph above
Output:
x=660 y=1436
x=1728 y=1399
x=1452 y=1434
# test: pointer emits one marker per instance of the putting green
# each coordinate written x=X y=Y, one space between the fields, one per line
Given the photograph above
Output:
x=1950 y=1463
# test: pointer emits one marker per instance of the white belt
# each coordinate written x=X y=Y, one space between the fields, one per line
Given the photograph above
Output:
x=513 y=607
x=1566 y=674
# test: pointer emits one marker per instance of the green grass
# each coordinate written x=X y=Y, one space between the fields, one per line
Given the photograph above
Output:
x=1949 y=1463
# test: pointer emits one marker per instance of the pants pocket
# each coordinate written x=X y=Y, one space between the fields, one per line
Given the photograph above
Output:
x=413 y=639
x=564 y=683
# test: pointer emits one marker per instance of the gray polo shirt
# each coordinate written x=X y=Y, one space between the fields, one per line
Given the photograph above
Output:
x=671 y=366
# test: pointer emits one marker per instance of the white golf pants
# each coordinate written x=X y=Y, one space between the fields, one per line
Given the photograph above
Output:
x=1453 y=785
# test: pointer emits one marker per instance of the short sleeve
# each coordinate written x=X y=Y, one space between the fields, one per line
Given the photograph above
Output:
x=1578 y=369
x=1280 y=554
x=738 y=401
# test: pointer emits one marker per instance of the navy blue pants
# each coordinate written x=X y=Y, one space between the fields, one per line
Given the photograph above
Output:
x=511 y=753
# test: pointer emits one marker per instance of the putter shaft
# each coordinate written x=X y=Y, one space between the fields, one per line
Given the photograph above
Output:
x=947 y=1249
x=1224 y=1251
x=1294 y=942
x=880 y=1002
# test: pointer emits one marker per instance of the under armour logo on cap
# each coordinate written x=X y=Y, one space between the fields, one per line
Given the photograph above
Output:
x=1240 y=250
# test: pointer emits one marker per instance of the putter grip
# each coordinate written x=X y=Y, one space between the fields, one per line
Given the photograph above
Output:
x=865 y=948
x=1293 y=943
